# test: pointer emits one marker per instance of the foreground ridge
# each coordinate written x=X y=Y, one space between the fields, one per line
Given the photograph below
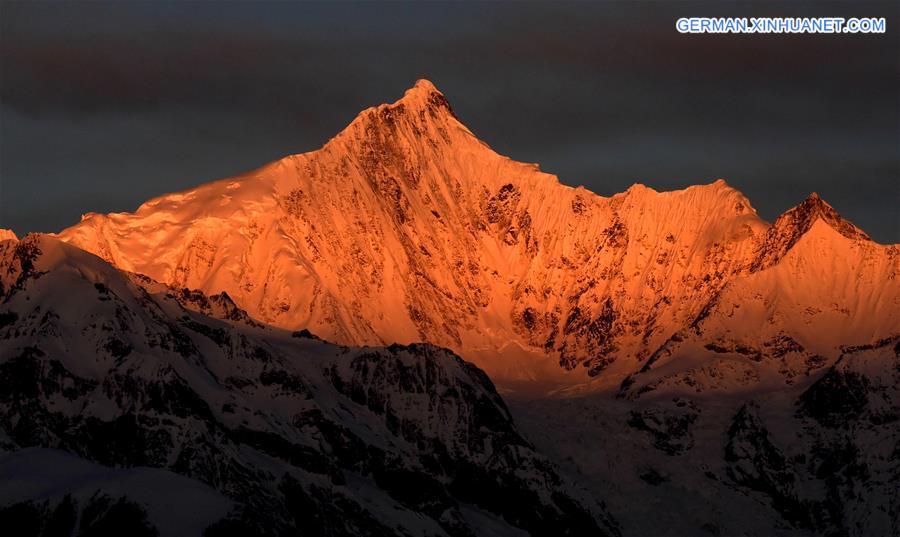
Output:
x=155 y=391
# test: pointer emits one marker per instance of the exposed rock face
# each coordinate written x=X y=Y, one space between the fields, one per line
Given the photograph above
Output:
x=293 y=433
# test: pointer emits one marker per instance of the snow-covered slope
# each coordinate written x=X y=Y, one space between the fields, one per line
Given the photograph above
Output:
x=405 y=227
x=285 y=432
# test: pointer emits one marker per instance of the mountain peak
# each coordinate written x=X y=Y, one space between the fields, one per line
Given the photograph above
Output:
x=7 y=235
x=637 y=188
x=423 y=85
x=791 y=226
x=423 y=96
x=422 y=100
x=814 y=208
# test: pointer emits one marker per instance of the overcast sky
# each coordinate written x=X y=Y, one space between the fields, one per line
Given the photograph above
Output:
x=104 y=106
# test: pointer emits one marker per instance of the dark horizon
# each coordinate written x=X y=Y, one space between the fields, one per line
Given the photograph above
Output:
x=105 y=106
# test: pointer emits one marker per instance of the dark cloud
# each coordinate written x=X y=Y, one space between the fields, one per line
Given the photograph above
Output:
x=105 y=105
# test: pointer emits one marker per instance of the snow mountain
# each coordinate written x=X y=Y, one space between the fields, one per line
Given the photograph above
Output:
x=405 y=227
